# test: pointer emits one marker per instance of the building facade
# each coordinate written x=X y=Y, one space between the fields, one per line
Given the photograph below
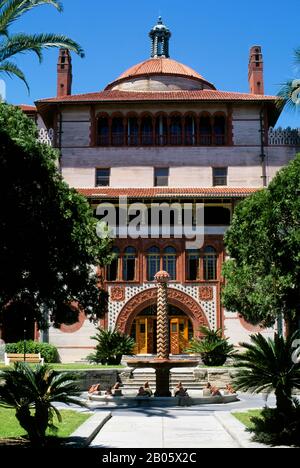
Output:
x=162 y=133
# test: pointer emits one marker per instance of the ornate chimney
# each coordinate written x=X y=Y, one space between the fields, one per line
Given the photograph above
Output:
x=64 y=73
x=256 y=71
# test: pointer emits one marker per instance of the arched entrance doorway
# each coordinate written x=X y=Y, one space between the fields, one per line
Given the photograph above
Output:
x=187 y=315
x=143 y=331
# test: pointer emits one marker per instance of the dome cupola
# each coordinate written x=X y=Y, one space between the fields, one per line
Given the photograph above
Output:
x=160 y=73
x=160 y=36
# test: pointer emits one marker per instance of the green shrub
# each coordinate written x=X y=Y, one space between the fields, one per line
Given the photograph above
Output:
x=32 y=392
x=268 y=365
x=111 y=346
x=276 y=428
x=212 y=347
x=47 y=351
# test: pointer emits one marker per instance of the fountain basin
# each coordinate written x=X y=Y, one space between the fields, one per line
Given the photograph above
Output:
x=127 y=400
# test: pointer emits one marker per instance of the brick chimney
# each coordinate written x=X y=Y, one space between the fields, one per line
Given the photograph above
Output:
x=256 y=71
x=64 y=73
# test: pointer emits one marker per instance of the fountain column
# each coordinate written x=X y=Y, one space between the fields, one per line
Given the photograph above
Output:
x=162 y=372
x=162 y=364
x=162 y=278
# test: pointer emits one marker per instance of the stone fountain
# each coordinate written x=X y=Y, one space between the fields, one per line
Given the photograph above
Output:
x=162 y=364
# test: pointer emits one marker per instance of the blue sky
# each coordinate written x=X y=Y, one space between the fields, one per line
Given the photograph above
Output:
x=214 y=38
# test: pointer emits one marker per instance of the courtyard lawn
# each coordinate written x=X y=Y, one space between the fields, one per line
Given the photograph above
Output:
x=10 y=428
x=78 y=366
x=245 y=418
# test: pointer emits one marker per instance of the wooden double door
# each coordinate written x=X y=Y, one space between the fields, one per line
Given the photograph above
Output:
x=145 y=334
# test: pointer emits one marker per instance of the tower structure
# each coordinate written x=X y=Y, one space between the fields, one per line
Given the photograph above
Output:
x=256 y=71
x=64 y=73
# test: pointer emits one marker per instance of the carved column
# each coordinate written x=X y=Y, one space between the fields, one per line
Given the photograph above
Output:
x=162 y=279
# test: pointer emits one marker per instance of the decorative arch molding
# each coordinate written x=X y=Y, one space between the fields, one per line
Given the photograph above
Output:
x=181 y=138
x=148 y=297
x=102 y=115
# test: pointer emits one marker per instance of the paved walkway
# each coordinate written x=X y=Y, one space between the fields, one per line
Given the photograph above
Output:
x=173 y=429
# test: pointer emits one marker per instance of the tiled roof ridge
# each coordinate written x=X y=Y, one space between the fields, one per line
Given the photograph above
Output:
x=27 y=107
x=161 y=95
x=165 y=192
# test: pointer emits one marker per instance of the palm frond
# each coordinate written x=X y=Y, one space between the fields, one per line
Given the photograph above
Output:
x=33 y=391
x=10 y=10
x=289 y=95
x=20 y=43
x=267 y=365
x=11 y=70
x=297 y=56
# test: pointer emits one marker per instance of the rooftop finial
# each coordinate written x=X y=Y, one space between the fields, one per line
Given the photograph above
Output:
x=160 y=36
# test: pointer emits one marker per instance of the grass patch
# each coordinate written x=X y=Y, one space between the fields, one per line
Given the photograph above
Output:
x=10 y=428
x=77 y=366
x=245 y=418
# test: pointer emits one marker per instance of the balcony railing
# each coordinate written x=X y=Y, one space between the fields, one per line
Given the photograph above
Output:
x=284 y=136
x=276 y=137
x=46 y=136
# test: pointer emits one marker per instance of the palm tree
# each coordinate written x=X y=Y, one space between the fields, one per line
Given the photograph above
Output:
x=32 y=392
x=212 y=347
x=289 y=94
x=268 y=365
x=111 y=346
x=13 y=44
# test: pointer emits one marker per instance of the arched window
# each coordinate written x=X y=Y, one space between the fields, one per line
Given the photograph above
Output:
x=133 y=131
x=153 y=262
x=176 y=130
x=190 y=131
x=113 y=268
x=193 y=265
x=147 y=131
x=161 y=131
x=102 y=131
x=219 y=130
x=129 y=264
x=210 y=263
x=205 y=130
x=169 y=262
x=117 y=131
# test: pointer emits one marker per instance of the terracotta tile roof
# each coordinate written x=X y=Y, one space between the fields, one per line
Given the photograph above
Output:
x=166 y=192
x=204 y=95
x=159 y=66
x=27 y=108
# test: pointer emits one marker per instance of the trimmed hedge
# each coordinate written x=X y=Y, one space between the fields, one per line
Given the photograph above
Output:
x=47 y=351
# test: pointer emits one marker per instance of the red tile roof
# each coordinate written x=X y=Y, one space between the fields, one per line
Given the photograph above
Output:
x=166 y=192
x=27 y=108
x=125 y=96
x=159 y=66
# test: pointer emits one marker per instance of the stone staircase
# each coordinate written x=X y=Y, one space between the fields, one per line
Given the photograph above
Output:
x=191 y=378
x=139 y=376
